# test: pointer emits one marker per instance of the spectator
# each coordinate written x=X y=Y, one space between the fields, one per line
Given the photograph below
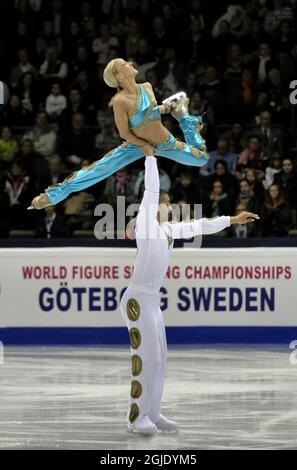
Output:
x=243 y=231
x=197 y=43
x=119 y=184
x=274 y=167
x=247 y=196
x=277 y=97
x=270 y=135
x=199 y=105
x=144 y=54
x=77 y=143
x=235 y=16
x=56 y=14
x=277 y=15
x=8 y=146
x=83 y=61
x=218 y=202
x=22 y=67
x=213 y=90
x=87 y=20
x=55 y=102
x=23 y=37
x=255 y=179
x=107 y=139
x=133 y=37
x=33 y=163
x=221 y=153
x=52 y=67
x=43 y=137
x=223 y=41
x=251 y=155
x=73 y=41
x=234 y=65
x=17 y=186
x=186 y=188
x=287 y=180
x=48 y=39
x=74 y=106
x=229 y=182
x=14 y=115
x=263 y=62
x=159 y=38
x=103 y=43
x=56 y=173
x=275 y=216
x=4 y=209
x=170 y=70
x=88 y=94
x=251 y=40
x=235 y=138
x=51 y=225
x=26 y=91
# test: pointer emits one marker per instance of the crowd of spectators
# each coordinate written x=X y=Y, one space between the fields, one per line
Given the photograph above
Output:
x=235 y=61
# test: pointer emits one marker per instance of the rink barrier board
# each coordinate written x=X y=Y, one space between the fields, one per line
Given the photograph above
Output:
x=175 y=335
x=267 y=316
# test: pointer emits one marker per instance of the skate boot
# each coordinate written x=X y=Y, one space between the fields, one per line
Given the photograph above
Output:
x=40 y=202
x=143 y=426
x=165 y=424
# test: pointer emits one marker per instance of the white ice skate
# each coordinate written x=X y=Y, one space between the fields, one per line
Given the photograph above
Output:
x=40 y=202
x=165 y=424
x=174 y=98
x=143 y=426
x=180 y=103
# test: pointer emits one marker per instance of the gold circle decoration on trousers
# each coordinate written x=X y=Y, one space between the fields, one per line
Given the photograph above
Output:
x=134 y=412
x=136 y=365
x=135 y=338
x=136 y=389
x=133 y=309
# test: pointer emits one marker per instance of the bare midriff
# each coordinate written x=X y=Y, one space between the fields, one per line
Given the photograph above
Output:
x=154 y=133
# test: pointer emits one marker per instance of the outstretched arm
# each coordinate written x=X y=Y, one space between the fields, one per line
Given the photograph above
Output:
x=207 y=226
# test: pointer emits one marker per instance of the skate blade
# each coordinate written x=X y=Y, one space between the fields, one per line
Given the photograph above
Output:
x=175 y=97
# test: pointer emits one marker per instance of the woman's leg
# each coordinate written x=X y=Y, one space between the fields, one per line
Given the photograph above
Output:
x=185 y=153
x=191 y=126
x=110 y=163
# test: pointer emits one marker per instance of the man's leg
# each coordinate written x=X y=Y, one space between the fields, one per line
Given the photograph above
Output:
x=159 y=378
x=162 y=423
x=140 y=313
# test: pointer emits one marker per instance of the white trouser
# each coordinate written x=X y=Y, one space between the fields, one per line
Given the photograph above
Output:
x=141 y=312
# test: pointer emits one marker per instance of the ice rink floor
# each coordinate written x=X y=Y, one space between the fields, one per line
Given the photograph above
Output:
x=76 y=398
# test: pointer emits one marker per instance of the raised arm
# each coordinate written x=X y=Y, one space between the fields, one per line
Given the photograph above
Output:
x=146 y=220
x=151 y=194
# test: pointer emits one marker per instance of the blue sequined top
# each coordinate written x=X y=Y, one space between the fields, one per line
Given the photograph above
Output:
x=146 y=111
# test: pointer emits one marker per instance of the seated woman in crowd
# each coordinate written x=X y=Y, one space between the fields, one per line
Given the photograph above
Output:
x=275 y=214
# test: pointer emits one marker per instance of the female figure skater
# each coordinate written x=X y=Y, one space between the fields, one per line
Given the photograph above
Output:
x=137 y=117
x=140 y=302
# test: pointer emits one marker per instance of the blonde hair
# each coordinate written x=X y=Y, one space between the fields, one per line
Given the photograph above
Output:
x=109 y=76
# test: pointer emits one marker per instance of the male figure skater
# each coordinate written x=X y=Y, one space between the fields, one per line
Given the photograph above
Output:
x=140 y=303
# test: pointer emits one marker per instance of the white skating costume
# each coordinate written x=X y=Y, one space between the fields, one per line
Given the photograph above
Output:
x=140 y=303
